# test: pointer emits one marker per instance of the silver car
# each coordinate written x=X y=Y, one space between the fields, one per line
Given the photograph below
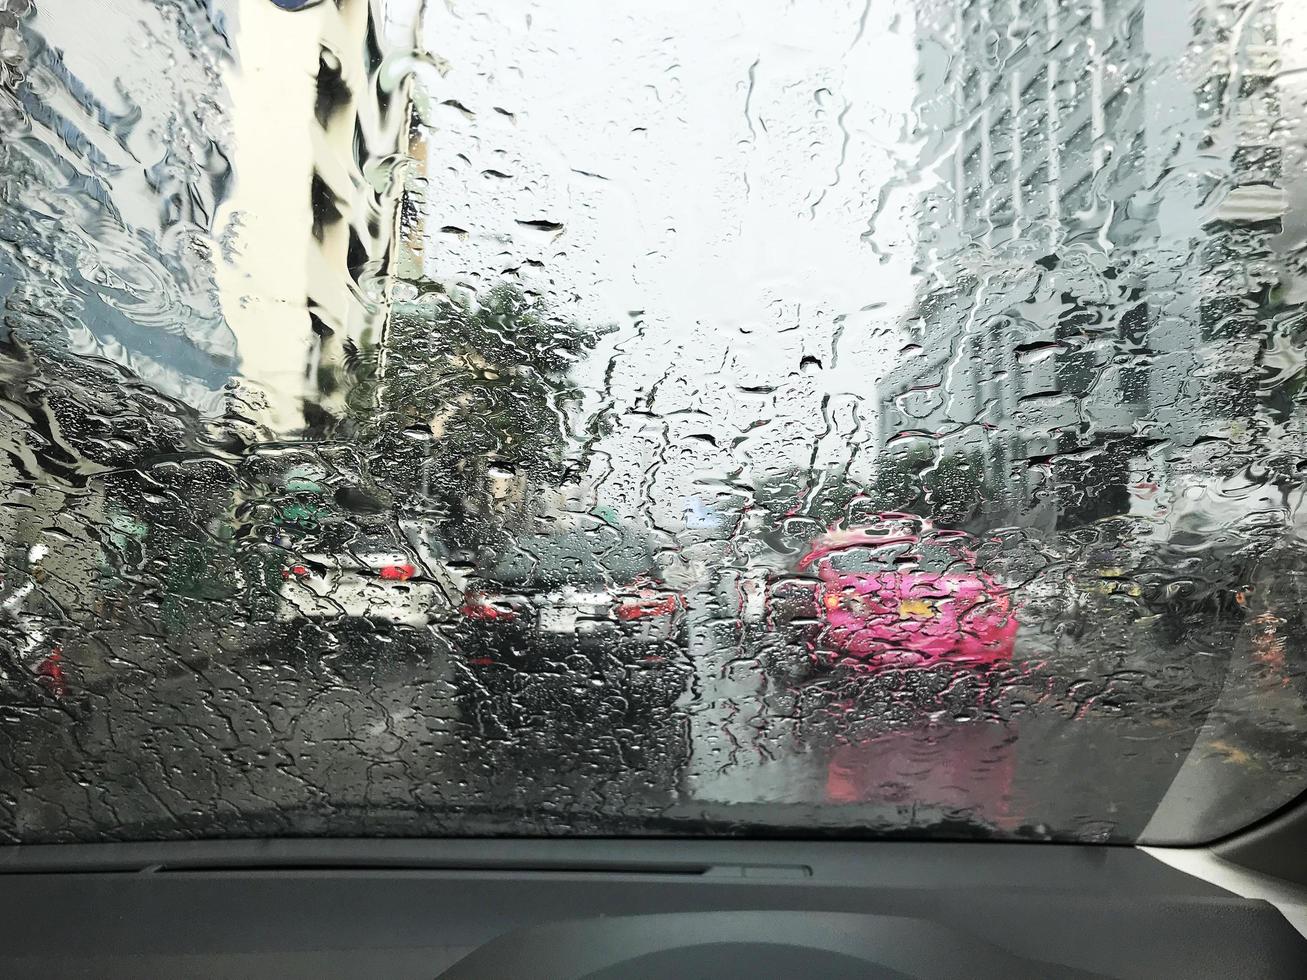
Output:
x=377 y=581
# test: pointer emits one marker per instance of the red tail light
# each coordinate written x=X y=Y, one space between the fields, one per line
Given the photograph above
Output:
x=850 y=602
x=482 y=609
x=639 y=608
x=298 y=571
x=52 y=669
x=397 y=573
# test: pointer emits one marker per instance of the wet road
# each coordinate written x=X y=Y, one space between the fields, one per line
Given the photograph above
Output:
x=231 y=732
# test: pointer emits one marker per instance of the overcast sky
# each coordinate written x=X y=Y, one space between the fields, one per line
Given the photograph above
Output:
x=718 y=167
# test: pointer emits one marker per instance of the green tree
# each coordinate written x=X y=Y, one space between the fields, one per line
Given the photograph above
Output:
x=464 y=391
x=170 y=541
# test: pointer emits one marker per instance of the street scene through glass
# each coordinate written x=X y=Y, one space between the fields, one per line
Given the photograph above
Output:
x=579 y=418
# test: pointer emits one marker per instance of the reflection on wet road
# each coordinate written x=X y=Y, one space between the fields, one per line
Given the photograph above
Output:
x=374 y=731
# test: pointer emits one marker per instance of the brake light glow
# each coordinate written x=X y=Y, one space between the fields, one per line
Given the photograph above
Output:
x=299 y=571
x=397 y=573
x=52 y=669
x=639 y=608
x=478 y=608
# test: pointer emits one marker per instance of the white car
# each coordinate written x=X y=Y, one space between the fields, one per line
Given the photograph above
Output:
x=379 y=584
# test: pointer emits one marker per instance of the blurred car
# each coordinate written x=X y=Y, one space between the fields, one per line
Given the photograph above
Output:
x=345 y=550
x=897 y=592
x=1170 y=575
x=374 y=578
x=588 y=604
x=29 y=626
x=639 y=612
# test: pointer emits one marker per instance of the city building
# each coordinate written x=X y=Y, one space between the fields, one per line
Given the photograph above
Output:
x=1098 y=237
x=197 y=214
x=222 y=201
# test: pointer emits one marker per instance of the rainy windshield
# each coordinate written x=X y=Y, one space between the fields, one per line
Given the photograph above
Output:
x=906 y=557
x=851 y=419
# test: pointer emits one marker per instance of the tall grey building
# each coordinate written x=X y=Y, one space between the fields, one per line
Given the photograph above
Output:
x=1095 y=236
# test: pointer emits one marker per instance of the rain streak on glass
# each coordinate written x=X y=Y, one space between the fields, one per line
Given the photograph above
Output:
x=562 y=418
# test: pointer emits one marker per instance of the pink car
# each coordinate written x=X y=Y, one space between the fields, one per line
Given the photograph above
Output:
x=901 y=593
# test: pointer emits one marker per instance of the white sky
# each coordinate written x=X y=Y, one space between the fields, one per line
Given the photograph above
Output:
x=734 y=213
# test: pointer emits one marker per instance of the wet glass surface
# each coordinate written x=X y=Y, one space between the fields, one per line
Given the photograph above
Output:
x=855 y=419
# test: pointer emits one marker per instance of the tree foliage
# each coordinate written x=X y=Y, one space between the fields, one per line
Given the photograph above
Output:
x=469 y=390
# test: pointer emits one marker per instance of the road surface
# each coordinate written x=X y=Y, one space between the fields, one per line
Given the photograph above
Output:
x=228 y=730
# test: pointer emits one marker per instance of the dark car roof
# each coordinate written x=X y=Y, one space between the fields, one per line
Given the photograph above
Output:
x=590 y=556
